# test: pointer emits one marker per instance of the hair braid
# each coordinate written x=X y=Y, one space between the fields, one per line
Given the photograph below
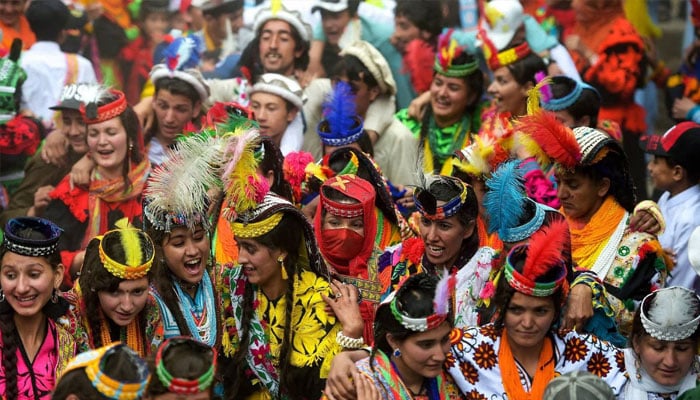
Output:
x=10 y=339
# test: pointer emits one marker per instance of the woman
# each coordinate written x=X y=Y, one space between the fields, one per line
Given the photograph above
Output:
x=448 y=241
x=346 y=230
x=110 y=302
x=115 y=144
x=597 y=197
x=455 y=108
x=110 y=372
x=610 y=55
x=662 y=361
x=184 y=368
x=35 y=350
x=175 y=210
x=274 y=305
x=411 y=341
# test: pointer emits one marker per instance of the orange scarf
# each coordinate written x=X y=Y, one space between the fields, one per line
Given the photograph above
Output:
x=592 y=19
x=588 y=241
x=511 y=377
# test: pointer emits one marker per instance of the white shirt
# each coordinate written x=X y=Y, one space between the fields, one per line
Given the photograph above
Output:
x=682 y=215
x=47 y=68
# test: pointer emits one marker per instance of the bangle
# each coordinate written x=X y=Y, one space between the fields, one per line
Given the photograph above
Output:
x=653 y=209
x=348 y=342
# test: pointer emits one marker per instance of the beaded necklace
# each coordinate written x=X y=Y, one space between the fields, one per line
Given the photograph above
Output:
x=442 y=142
x=131 y=335
x=200 y=312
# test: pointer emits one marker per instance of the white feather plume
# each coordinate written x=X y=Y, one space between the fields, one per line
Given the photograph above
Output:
x=671 y=308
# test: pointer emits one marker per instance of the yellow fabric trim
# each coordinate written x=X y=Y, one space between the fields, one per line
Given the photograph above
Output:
x=256 y=229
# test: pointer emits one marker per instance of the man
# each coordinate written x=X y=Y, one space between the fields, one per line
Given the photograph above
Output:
x=177 y=101
x=39 y=176
x=369 y=75
x=48 y=68
x=222 y=36
x=14 y=25
x=276 y=101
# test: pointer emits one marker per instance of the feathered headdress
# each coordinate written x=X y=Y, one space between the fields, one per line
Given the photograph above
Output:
x=229 y=116
x=419 y=63
x=670 y=314
x=294 y=168
x=94 y=95
x=496 y=59
x=547 y=139
x=244 y=188
x=444 y=290
x=476 y=159
x=183 y=53
x=541 y=92
x=448 y=50
x=340 y=125
x=177 y=192
x=505 y=200
x=426 y=202
x=543 y=270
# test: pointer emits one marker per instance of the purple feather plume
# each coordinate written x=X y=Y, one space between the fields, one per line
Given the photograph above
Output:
x=443 y=290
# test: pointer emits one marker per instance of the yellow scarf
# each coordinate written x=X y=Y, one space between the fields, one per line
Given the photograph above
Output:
x=588 y=242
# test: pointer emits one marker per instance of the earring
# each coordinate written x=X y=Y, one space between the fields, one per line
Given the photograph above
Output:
x=637 y=366
x=131 y=146
x=280 y=260
x=54 y=296
x=2 y=295
x=397 y=352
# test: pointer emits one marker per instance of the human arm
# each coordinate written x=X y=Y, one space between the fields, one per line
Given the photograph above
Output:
x=340 y=383
x=55 y=149
x=344 y=305
x=41 y=200
x=647 y=218
x=81 y=171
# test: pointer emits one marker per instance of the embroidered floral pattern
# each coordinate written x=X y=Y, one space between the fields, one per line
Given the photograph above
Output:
x=576 y=349
x=470 y=372
x=599 y=365
x=475 y=395
x=485 y=356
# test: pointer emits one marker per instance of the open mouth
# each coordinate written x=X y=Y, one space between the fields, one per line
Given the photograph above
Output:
x=435 y=251
x=193 y=266
x=26 y=299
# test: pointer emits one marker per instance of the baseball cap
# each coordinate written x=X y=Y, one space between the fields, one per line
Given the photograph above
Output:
x=502 y=18
x=330 y=5
x=73 y=96
x=681 y=142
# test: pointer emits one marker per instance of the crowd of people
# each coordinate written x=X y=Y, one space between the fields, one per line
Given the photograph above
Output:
x=345 y=199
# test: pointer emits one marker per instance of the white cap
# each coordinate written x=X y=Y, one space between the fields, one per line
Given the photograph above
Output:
x=330 y=5
x=292 y=17
x=501 y=19
x=281 y=86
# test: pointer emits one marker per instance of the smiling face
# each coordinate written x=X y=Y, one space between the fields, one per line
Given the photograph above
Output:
x=108 y=145
x=508 y=95
x=28 y=282
x=155 y=26
x=443 y=239
x=527 y=320
x=666 y=362
x=277 y=47
x=334 y=24
x=173 y=112
x=11 y=11
x=422 y=354
x=260 y=263
x=404 y=32
x=73 y=126
x=449 y=98
x=581 y=196
x=125 y=303
x=186 y=253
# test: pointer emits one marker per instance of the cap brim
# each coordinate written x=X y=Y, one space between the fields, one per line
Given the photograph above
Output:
x=651 y=144
x=333 y=7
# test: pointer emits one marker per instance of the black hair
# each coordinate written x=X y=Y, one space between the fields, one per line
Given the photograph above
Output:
x=614 y=166
x=273 y=160
x=355 y=70
x=178 y=87
x=286 y=236
x=95 y=278
x=415 y=299
x=10 y=337
x=149 y=7
x=424 y=14
x=186 y=361
x=252 y=60
x=119 y=365
x=47 y=19
x=587 y=104
x=693 y=174
x=524 y=70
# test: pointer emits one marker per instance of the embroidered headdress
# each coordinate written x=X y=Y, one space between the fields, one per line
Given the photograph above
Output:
x=102 y=104
x=542 y=135
x=426 y=202
x=670 y=314
x=96 y=365
x=552 y=103
x=448 y=50
x=138 y=253
x=182 y=385
x=177 y=192
x=511 y=213
x=16 y=241
x=182 y=58
x=538 y=267
x=11 y=77
x=441 y=304
x=340 y=125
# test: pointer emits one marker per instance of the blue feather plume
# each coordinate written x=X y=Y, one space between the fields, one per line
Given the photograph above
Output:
x=505 y=200
x=339 y=109
x=183 y=53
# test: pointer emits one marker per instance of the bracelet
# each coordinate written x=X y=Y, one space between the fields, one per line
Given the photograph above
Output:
x=653 y=209
x=348 y=342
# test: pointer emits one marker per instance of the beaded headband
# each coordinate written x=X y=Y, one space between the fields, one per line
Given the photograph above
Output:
x=509 y=56
x=340 y=126
x=182 y=385
x=426 y=203
x=31 y=247
x=138 y=251
x=92 y=113
x=245 y=225
x=93 y=362
x=527 y=285
x=448 y=50
x=674 y=313
x=594 y=144
x=562 y=103
x=441 y=306
x=524 y=231
x=351 y=186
